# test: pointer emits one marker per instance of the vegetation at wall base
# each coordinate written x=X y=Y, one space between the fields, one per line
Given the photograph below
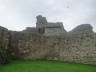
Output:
x=3 y=57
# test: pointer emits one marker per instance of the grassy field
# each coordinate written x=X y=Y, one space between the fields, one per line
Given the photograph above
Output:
x=46 y=66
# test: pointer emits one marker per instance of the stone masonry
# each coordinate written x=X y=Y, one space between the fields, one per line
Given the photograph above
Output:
x=52 y=42
x=48 y=28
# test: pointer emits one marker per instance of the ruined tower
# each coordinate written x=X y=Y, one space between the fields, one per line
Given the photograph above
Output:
x=40 y=24
x=49 y=28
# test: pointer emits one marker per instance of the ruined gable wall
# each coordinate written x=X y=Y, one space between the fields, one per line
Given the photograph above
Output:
x=48 y=28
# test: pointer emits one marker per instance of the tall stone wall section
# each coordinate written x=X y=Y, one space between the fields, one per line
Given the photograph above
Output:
x=78 y=45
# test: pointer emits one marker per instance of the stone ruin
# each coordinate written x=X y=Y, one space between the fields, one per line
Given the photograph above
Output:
x=50 y=41
x=47 y=28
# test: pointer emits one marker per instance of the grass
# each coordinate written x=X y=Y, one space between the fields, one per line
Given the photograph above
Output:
x=46 y=66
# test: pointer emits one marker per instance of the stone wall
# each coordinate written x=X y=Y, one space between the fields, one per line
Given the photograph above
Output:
x=78 y=45
x=53 y=31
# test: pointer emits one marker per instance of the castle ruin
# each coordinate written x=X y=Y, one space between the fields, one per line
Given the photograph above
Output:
x=49 y=28
x=50 y=41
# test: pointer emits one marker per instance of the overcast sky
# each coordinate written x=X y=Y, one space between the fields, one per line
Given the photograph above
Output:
x=18 y=14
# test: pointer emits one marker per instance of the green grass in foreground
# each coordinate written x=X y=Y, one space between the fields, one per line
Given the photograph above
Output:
x=46 y=66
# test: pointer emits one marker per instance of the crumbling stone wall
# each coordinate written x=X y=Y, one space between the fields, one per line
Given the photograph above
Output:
x=78 y=45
